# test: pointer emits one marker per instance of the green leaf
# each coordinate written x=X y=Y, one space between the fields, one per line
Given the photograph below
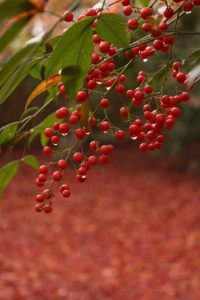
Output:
x=31 y=160
x=110 y=28
x=7 y=172
x=8 y=133
x=73 y=53
x=10 y=8
x=191 y=60
x=145 y=3
x=16 y=78
x=12 y=32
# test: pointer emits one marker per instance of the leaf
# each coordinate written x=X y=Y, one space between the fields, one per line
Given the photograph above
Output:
x=145 y=3
x=7 y=172
x=10 y=8
x=191 y=60
x=31 y=160
x=73 y=51
x=8 y=133
x=110 y=28
x=42 y=87
x=12 y=32
x=16 y=78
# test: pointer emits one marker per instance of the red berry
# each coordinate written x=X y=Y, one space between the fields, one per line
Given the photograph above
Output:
x=80 y=133
x=62 y=164
x=168 y=13
x=127 y=10
x=47 y=150
x=143 y=147
x=43 y=169
x=48 y=132
x=104 y=46
x=105 y=126
x=148 y=89
x=68 y=16
x=47 y=208
x=78 y=157
x=42 y=177
x=64 y=128
x=105 y=103
x=62 y=113
x=64 y=187
x=38 y=207
x=82 y=171
x=40 y=198
x=92 y=160
x=103 y=159
x=133 y=24
x=124 y=111
x=73 y=119
x=57 y=175
x=120 y=135
x=66 y=193
x=55 y=140
x=146 y=12
x=93 y=145
x=82 y=96
x=181 y=77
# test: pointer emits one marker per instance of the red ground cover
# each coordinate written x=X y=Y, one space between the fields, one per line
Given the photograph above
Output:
x=131 y=232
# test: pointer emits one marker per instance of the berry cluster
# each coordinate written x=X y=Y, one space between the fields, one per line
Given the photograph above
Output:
x=158 y=111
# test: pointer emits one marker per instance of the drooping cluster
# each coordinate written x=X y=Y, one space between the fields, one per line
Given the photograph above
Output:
x=157 y=110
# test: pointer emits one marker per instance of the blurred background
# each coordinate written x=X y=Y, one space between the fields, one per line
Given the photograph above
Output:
x=132 y=231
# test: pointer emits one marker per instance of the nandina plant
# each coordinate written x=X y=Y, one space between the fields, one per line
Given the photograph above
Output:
x=83 y=67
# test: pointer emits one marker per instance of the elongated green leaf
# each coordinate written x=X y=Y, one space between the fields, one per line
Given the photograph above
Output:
x=159 y=75
x=31 y=160
x=7 y=172
x=110 y=28
x=145 y=2
x=73 y=53
x=10 y=8
x=8 y=133
x=15 y=79
x=12 y=32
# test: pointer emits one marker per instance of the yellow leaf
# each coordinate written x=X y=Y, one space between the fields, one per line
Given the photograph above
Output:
x=42 y=87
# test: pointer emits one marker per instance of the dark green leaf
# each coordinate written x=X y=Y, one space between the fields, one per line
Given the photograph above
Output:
x=7 y=172
x=110 y=28
x=31 y=160
x=145 y=3
x=12 y=32
x=73 y=52
x=10 y=8
x=8 y=133
x=155 y=79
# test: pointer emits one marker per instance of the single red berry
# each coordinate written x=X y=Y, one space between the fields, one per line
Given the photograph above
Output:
x=143 y=147
x=133 y=24
x=62 y=113
x=181 y=77
x=146 y=12
x=55 y=140
x=168 y=13
x=119 y=134
x=127 y=10
x=62 y=164
x=73 y=119
x=105 y=126
x=64 y=128
x=124 y=111
x=81 y=96
x=42 y=177
x=38 y=207
x=103 y=159
x=56 y=126
x=104 y=46
x=146 y=27
x=47 y=150
x=78 y=157
x=93 y=145
x=125 y=2
x=148 y=89
x=92 y=121
x=48 y=132
x=40 y=198
x=57 y=175
x=66 y=193
x=175 y=112
x=82 y=171
x=105 y=103
x=47 y=208
x=68 y=16
x=187 y=6
x=80 y=133
x=43 y=169
x=91 y=12
x=92 y=160
x=64 y=187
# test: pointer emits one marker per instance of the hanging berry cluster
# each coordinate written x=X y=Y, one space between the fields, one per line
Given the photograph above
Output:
x=158 y=110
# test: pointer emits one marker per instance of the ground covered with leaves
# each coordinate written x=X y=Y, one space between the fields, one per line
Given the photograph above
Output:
x=132 y=231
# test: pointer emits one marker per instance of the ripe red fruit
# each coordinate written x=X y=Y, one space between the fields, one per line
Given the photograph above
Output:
x=47 y=150
x=91 y=12
x=105 y=126
x=38 y=207
x=48 y=132
x=119 y=134
x=82 y=171
x=73 y=119
x=42 y=177
x=158 y=44
x=175 y=112
x=78 y=157
x=139 y=95
x=125 y=2
x=105 y=103
x=64 y=128
x=40 y=198
x=148 y=89
x=55 y=140
x=168 y=13
x=93 y=145
x=181 y=77
x=56 y=126
x=187 y=6
x=140 y=79
x=57 y=175
x=143 y=147
x=68 y=16
x=62 y=164
x=92 y=160
x=127 y=10
x=64 y=187
x=92 y=121
x=133 y=24
x=80 y=133
x=66 y=193
x=146 y=12
x=104 y=46
x=147 y=27
x=62 y=113
x=43 y=169
x=47 y=208
x=81 y=96
x=124 y=111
